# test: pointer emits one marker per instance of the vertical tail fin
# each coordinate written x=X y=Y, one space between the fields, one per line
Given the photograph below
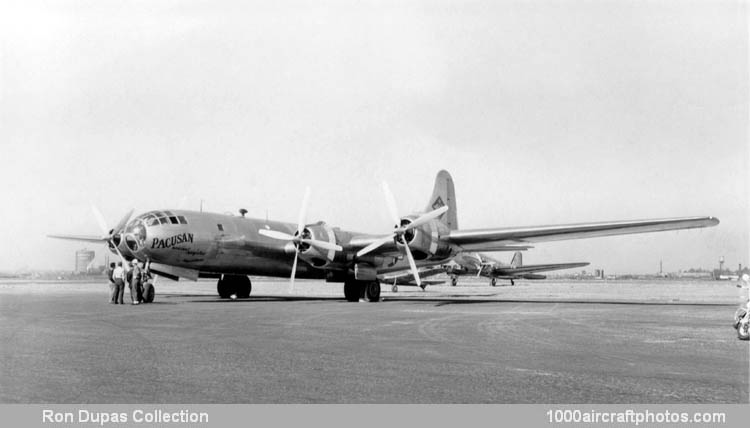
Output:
x=444 y=194
x=517 y=260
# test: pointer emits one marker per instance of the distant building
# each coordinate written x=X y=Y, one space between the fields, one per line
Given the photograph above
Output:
x=84 y=260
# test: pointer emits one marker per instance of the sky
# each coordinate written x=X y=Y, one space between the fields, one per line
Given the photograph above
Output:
x=544 y=112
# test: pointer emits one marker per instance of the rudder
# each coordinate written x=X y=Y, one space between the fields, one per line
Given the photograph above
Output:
x=517 y=260
x=444 y=194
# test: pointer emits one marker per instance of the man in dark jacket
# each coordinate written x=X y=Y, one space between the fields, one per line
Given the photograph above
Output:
x=111 y=280
x=136 y=290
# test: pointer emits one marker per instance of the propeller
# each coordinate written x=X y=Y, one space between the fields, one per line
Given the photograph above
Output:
x=108 y=234
x=298 y=238
x=400 y=230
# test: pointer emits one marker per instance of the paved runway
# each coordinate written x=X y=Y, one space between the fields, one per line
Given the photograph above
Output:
x=542 y=342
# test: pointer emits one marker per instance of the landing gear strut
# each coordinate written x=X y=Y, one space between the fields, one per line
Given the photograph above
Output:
x=355 y=290
x=238 y=285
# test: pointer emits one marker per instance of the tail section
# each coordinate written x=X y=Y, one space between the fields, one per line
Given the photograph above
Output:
x=517 y=260
x=444 y=194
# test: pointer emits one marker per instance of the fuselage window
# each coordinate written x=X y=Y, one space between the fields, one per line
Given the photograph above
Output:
x=163 y=220
x=173 y=220
x=152 y=221
x=221 y=228
x=182 y=219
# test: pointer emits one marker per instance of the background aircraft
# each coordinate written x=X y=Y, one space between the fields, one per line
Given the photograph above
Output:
x=190 y=244
x=478 y=264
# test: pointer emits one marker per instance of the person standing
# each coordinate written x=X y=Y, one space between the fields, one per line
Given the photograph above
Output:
x=111 y=280
x=119 y=277
x=135 y=284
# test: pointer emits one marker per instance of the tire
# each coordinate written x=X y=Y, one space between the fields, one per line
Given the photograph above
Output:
x=243 y=287
x=493 y=282
x=372 y=291
x=742 y=331
x=148 y=294
x=224 y=288
x=351 y=291
x=454 y=281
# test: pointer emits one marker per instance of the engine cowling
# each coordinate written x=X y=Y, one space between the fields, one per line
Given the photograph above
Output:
x=424 y=240
x=318 y=257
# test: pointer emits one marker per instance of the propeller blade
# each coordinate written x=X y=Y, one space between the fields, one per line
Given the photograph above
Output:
x=374 y=245
x=294 y=273
x=424 y=218
x=122 y=259
x=123 y=221
x=100 y=220
x=391 y=203
x=84 y=238
x=413 y=265
x=275 y=234
x=303 y=212
x=323 y=244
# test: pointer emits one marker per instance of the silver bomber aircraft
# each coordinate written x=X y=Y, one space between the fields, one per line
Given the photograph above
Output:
x=478 y=264
x=191 y=245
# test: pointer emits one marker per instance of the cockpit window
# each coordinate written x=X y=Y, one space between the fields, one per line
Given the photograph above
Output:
x=156 y=218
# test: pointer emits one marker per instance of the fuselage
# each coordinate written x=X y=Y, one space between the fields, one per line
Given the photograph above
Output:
x=214 y=243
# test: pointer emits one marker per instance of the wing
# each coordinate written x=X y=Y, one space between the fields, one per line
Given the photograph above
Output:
x=84 y=238
x=478 y=238
x=520 y=270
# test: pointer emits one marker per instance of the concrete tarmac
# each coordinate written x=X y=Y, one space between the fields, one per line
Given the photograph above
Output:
x=537 y=342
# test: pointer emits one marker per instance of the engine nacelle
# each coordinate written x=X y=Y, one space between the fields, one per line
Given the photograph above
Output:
x=424 y=240
x=318 y=257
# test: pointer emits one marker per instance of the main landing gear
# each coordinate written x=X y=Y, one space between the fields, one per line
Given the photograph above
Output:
x=237 y=285
x=454 y=280
x=366 y=290
x=493 y=282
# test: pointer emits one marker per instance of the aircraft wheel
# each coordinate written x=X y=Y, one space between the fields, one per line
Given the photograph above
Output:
x=225 y=288
x=243 y=287
x=394 y=288
x=512 y=283
x=493 y=282
x=351 y=291
x=454 y=281
x=742 y=331
x=148 y=294
x=372 y=291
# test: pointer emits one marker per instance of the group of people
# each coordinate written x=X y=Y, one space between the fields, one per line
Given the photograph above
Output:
x=133 y=275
